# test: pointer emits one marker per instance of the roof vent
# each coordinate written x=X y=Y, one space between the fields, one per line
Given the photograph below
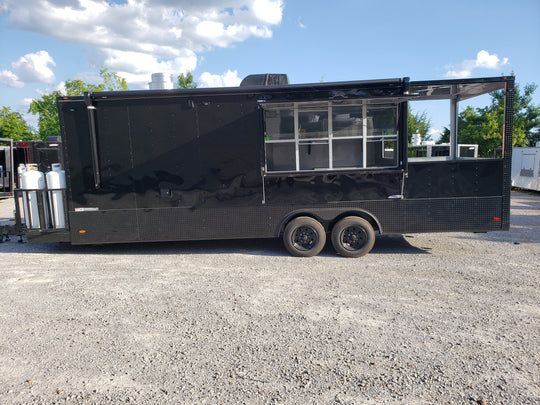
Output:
x=161 y=81
x=267 y=79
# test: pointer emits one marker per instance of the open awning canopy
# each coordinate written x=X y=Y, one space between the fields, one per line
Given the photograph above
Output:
x=460 y=89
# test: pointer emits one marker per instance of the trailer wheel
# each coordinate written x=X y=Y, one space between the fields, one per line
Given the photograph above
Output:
x=304 y=237
x=353 y=237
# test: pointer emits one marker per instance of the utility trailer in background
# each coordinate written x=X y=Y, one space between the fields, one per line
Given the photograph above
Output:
x=264 y=161
x=37 y=151
x=443 y=149
x=526 y=168
x=16 y=153
x=7 y=180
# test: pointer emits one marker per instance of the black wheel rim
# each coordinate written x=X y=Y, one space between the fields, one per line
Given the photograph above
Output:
x=353 y=238
x=304 y=238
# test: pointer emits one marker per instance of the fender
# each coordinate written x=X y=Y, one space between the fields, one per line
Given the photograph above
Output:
x=328 y=217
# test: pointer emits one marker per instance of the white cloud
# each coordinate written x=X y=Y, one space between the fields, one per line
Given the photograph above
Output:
x=138 y=37
x=301 y=24
x=210 y=29
x=228 y=79
x=61 y=87
x=136 y=67
x=22 y=107
x=269 y=11
x=10 y=79
x=483 y=61
x=32 y=67
x=25 y=102
x=434 y=134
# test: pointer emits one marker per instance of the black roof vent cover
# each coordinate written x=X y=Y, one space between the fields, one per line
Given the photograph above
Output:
x=267 y=79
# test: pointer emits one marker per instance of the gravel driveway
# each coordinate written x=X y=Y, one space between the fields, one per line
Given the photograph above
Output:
x=422 y=319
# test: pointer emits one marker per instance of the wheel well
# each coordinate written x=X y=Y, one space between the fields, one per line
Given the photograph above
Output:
x=362 y=214
x=301 y=214
x=329 y=224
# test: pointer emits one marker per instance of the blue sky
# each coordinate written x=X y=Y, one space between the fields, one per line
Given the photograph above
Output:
x=44 y=42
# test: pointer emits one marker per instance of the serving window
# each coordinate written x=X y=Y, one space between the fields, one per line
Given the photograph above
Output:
x=310 y=136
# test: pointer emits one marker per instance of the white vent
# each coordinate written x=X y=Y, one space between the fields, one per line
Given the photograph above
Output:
x=161 y=81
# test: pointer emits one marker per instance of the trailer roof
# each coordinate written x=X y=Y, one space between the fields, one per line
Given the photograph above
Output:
x=391 y=85
x=458 y=89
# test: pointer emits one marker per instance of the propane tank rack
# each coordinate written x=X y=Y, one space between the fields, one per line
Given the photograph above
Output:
x=40 y=211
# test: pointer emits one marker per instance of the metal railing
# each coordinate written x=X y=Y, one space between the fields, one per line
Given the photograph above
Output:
x=35 y=210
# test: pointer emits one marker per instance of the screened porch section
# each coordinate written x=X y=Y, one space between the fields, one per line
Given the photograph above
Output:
x=310 y=136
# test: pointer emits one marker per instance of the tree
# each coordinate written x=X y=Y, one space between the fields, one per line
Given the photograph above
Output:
x=445 y=136
x=526 y=114
x=111 y=82
x=46 y=105
x=48 y=123
x=418 y=123
x=484 y=126
x=186 y=81
x=13 y=125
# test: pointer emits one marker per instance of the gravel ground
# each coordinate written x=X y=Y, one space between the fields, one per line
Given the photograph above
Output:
x=429 y=318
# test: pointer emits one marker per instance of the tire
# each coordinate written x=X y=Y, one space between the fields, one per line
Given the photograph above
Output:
x=353 y=237
x=304 y=237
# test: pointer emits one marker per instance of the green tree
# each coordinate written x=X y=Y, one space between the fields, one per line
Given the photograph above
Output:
x=445 y=136
x=484 y=126
x=418 y=123
x=526 y=114
x=110 y=82
x=45 y=106
x=13 y=125
x=48 y=123
x=186 y=81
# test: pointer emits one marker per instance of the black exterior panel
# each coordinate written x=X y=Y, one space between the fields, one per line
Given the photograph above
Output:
x=115 y=157
x=164 y=141
x=230 y=140
x=393 y=215
x=109 y=226
x=507 y=150
x=457 y=178
x=188 y=165
x=329 y=188
x=116 y=190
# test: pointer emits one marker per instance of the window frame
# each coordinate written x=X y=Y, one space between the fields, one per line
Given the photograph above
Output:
x=307 y=106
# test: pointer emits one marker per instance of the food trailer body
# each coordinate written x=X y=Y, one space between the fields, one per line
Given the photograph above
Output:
x=265 y=161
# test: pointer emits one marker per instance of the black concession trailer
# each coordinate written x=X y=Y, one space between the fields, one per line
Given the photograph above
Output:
x=271 y=160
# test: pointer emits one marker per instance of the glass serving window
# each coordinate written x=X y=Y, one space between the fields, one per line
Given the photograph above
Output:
x=313 y=122
x=279 y=123
x=308 y=136
x=347 y=121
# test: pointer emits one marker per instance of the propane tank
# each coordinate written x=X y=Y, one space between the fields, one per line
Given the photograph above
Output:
x=20 y=170
x=56 y=182
x=33 y=179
